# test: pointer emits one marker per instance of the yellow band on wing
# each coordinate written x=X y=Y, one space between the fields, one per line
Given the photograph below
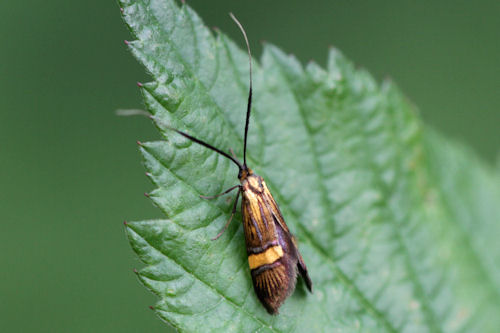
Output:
x=265 y=258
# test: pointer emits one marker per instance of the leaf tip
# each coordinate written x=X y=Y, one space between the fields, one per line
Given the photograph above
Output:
x=139 y=84
x=121 y=10
x=139 y=143
x=126 y=42
x=146 y=194
x=125 y=223
x=135 y=271
x=152 y=307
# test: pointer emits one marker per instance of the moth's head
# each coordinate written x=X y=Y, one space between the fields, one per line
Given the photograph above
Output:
x=244 y=173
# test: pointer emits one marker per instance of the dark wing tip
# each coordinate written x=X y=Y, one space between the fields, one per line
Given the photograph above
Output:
x=303 y=272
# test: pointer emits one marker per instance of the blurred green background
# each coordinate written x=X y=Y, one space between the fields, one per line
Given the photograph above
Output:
x=70 y=172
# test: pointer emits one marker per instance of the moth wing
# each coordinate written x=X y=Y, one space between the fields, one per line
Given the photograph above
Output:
x=301 y=265
x=273 y=286
x=274 y=277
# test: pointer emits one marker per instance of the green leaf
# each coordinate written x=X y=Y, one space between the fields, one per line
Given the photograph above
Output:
x=397 y=224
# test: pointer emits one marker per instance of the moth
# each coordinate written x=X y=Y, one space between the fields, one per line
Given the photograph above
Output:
x=273 y=255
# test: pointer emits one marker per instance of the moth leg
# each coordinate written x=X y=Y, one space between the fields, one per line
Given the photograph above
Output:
x=231 y=217
x=218 y=195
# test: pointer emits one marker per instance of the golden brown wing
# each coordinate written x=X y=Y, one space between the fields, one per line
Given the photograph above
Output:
x=273 y=256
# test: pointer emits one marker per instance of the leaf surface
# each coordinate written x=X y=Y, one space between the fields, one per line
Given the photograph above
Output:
x=397 y=224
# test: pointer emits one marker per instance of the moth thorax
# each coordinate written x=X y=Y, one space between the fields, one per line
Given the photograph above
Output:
x=253 y=183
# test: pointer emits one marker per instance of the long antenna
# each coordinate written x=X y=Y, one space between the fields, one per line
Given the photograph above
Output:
x=198 y=141
x=249 y=105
